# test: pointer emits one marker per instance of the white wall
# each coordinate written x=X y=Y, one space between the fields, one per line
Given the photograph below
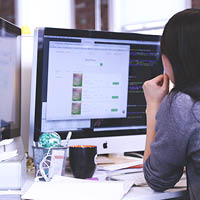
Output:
x=49 y=13
x=26 y=55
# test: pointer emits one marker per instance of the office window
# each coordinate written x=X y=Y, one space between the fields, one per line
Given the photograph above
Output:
x=84 y=14
x=91 y=14
x=104 y=14
x=7 y=10
x=143 y=16
x=195 y=4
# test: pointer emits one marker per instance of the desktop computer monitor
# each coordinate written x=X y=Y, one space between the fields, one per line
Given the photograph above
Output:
x=90 y=83
x=10 y=80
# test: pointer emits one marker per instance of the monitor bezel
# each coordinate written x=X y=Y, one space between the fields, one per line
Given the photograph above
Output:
x=9 y=27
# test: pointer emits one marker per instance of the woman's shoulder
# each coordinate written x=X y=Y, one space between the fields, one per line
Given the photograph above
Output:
x=178 y=99
x=180 y=105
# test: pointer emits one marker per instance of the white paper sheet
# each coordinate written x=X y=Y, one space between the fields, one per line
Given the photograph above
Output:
x=63 y=188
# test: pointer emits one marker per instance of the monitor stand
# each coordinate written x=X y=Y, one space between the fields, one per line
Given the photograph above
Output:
x=12 y=170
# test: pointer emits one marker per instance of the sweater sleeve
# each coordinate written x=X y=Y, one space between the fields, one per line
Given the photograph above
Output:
x=164 y=167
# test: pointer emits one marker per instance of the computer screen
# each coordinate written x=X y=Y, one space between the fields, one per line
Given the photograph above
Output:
x=10 y=80
x=90 y=83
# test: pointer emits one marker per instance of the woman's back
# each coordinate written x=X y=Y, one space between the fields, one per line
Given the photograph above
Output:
x=177 y=144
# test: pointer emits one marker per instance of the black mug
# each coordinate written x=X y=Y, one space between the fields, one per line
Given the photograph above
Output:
x=82 y=160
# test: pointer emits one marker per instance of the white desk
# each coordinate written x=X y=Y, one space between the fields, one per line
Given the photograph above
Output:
x=144 y=193
x=136 y=193
x=140 y=193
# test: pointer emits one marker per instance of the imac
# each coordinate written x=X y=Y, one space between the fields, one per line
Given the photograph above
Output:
x=90 y=83
x=11 y=145
x=10 y=80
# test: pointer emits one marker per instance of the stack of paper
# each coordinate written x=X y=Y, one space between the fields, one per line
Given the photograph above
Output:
x=63 y=188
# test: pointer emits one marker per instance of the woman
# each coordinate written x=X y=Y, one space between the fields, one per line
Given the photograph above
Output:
x=173 y=120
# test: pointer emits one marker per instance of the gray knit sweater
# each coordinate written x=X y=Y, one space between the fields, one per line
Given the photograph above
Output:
x=177 y=144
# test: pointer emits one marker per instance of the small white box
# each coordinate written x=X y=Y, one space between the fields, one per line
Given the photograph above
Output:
x=13 y=173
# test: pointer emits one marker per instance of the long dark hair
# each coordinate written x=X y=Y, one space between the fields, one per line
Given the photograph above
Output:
x=180 y=42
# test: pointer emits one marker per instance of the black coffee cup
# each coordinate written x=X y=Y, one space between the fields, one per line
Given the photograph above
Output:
x=82 y=160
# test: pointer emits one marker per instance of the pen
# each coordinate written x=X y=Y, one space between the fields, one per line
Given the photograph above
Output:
x=68 y=138
x=129 y=173
x=112 y=179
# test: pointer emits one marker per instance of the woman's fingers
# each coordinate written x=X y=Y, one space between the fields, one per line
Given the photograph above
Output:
x=155 y=89
x=166 y=79
x=158 y=78
x=157 y=81
x=165 y=84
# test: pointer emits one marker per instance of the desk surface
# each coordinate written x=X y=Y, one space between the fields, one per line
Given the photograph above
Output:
x=140 y=192
x=144 y=193
x=136 y=193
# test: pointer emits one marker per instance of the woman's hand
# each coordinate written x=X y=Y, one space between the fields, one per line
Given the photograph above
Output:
x=155 y=90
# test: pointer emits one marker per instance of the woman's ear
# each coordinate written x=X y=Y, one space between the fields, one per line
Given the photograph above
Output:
x=168 y=67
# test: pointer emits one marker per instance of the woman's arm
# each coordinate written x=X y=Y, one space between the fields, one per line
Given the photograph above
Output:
x=154 y=91
x=150 y=132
